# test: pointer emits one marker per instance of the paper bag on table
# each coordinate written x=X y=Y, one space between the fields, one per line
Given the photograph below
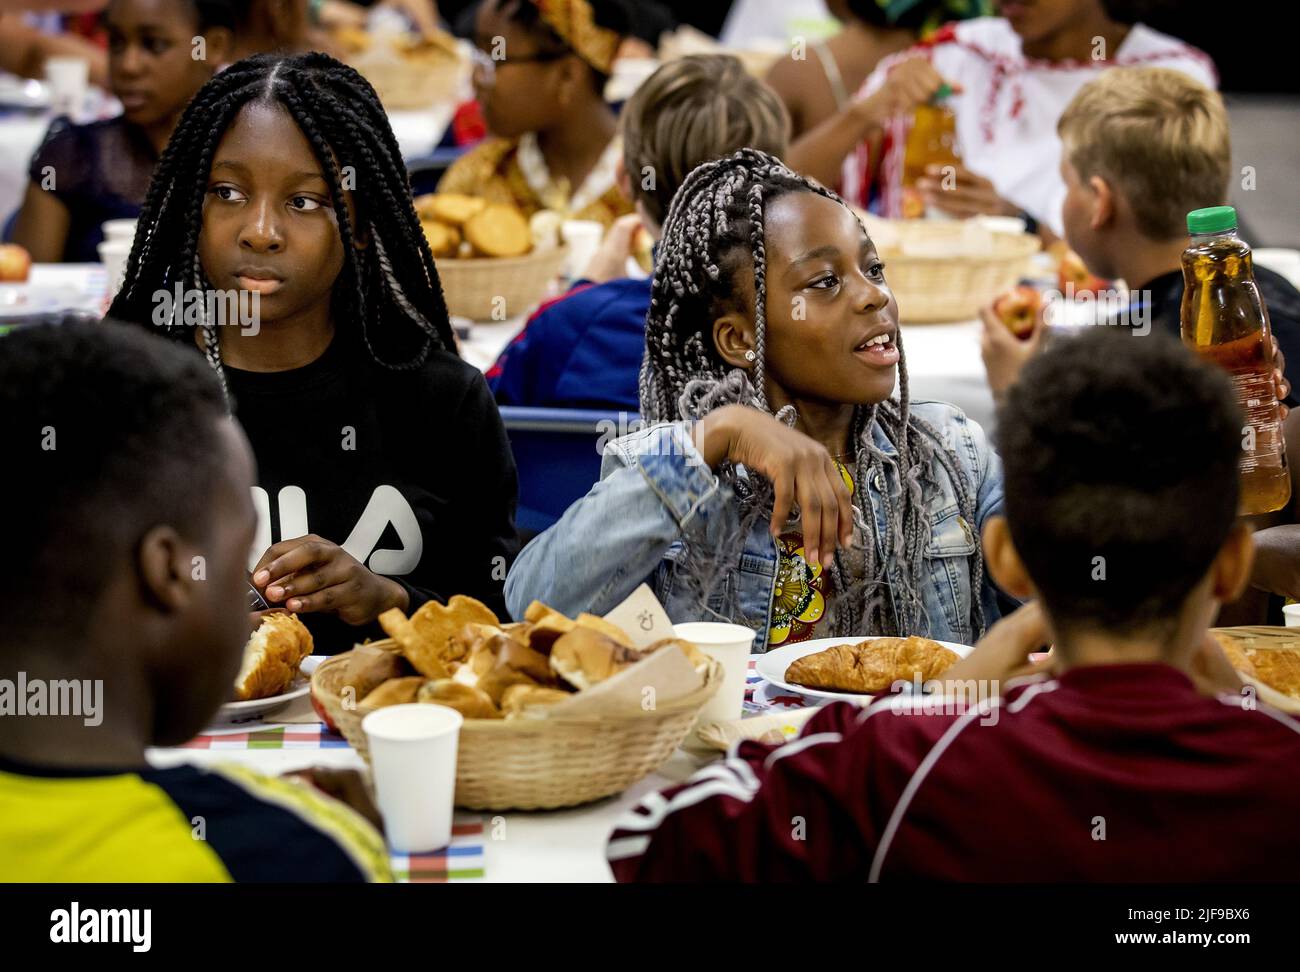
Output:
x=775 y=728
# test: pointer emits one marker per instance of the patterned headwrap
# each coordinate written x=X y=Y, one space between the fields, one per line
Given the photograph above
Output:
x=574 y=21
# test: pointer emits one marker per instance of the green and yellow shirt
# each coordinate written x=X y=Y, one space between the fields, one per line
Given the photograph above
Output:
x=184 y=823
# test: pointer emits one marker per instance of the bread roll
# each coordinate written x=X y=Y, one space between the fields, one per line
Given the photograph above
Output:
x=609 y=630
x=395 y=691
x=585 y=657
x=369 y=667
x=545 y=625
x=517 y=700
x=272 y=656
x=499 y=230
x=470 y=702
x=451 y=208
x=515 y=664
x=444 y=240
x=425 y=636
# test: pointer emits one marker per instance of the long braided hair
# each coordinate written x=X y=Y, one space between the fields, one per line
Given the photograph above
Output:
x=389 y=289
x=714 y=230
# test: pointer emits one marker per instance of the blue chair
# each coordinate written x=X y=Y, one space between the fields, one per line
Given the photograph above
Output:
x=558 y=452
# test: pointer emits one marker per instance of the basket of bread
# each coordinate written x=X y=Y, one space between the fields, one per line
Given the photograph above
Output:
x=558 y=711
x=406 y=70
x=494 y=262
x=946 y=270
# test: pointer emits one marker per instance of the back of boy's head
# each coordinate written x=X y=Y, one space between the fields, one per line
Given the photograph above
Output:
x=108 y=431
x=691 y=111
x=1160 y=138
x=1120 y=457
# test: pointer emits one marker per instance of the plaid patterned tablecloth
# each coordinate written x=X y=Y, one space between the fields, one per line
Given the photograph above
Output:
x=461 y=860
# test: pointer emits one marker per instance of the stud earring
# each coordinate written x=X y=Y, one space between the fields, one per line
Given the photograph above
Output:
x=750 y=355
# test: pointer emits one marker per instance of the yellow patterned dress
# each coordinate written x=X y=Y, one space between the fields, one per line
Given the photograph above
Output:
x=803 y=593
x=513 y=171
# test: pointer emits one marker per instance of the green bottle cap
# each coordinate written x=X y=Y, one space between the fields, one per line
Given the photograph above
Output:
x=1216 y=219
x=943 y=93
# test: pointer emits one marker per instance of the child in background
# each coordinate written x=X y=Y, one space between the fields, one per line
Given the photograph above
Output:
x=1117 y=739
x=1015 y=74
x=149 y=476
x=772 y=355
x=585 y=350
x=84 y=175
x=540 y=74
x=384 y=475
x=1143 y=147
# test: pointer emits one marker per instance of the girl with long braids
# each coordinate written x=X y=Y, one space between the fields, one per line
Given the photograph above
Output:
x=779 y=483
x=384 y=475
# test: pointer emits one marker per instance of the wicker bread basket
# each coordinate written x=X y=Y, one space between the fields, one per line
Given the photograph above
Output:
x=947 y=270
x=407 y=84
x=539 y=764
x=486 y=289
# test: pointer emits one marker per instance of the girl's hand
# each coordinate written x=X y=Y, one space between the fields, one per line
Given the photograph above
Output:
x=801 y=470
x=312 y=574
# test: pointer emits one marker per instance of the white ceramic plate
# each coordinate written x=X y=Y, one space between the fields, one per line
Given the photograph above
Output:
x=255 y=710
x=772 y=665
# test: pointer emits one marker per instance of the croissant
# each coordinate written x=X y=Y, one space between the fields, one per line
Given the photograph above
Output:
x=272 y=656
x=872 y=665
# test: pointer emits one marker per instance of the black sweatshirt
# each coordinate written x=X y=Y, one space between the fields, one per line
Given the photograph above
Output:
x=409 y=471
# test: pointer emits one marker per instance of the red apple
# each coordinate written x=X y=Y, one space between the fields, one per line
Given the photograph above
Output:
x=14 y=263
x=1072 y=271
x=1018 y=310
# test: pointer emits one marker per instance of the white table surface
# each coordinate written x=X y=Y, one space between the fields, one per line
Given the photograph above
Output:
x=552 y=847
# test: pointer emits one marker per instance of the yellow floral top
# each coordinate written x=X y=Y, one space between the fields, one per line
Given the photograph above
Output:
x=514 y=171
x=803 y=593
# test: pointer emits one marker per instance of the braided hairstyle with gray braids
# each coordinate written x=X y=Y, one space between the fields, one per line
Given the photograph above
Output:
x=389 y=289
x=714 y=231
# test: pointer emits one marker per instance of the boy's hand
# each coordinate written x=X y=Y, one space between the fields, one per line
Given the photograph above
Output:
x=345 y=785
x=610 y=261
x=313 y=574
x=1280 y=384
x=1004 y=651
x=801 y=470
x=1004 y=354
x=964 y=194
x=1211 y=671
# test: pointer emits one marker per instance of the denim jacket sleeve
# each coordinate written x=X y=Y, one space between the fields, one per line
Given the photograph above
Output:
x=988 y=503
x=654 y=486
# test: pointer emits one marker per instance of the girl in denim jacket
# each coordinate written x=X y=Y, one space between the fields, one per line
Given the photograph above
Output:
x=778 y=484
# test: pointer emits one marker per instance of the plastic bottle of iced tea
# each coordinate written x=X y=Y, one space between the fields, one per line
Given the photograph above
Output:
x=1224 y=319
x=932 y=140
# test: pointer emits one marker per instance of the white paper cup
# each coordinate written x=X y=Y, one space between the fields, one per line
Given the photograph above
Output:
x=114 y=254
x=68 y=80
x=1291 y=615
x=583 y=237
x=413 y=757
x=729 y=645
x=119 y=229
